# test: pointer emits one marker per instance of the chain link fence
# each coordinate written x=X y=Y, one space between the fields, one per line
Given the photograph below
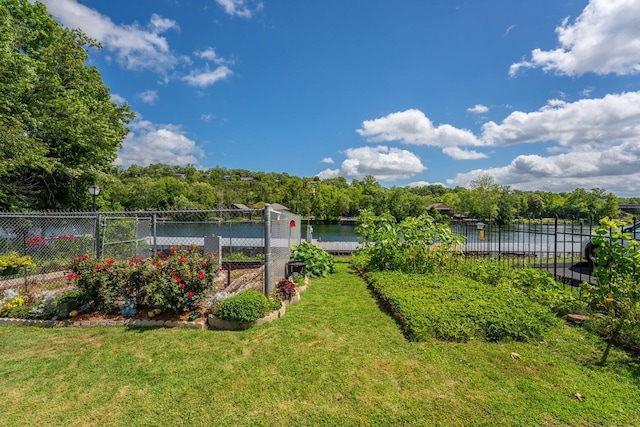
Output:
x=252 y=245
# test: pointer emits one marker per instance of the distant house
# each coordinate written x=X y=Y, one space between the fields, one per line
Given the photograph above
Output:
x=240 y=207
x=442 y=209
x=246 y=178
x=279 y=207
x=180 y=176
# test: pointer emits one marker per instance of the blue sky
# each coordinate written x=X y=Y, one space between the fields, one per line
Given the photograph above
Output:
x=542 y=95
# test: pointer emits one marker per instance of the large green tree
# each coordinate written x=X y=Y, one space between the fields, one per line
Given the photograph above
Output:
x=59 y=129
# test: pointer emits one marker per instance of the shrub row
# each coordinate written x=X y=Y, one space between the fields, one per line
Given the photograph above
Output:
x=457 y=308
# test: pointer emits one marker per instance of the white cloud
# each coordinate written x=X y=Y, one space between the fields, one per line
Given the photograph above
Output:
x=210 y=54
x=478 y=109
x=423 y=184
x=207 y=117
x=118 y=99
x=457 y=153
x=384 y=163
x=327 y=160
x=587 y=122
x=148 y=143
x=135 y=47
x=413 y=127
x=148 y=96
x=239 y=8
x=204 y=78
x=614 y=168
x=604 y=39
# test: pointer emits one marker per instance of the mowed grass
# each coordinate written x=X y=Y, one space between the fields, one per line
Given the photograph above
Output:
x=335 y=359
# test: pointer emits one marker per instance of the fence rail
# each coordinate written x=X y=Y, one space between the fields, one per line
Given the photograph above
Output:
x=553 y=244
x=253 y=245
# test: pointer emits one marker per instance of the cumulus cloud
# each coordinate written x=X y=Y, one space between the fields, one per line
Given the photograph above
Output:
x=587 y=122
x=240 y=8
x=134 y=46
x=457 y=153
x=413 y=127
x=478 y=109
x=423 y=184
x=148 y=96
x=118 y=99
x=604 y=39
x=148 y=143
x=384 y=163
x=614 y=168
x=327 y=160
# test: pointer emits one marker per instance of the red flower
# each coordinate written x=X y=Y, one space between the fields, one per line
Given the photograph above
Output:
x=202 y=263
x=106 y=267
x=190 y=294
x=86 y=256
x=177 y=279
x=131 y=263
x=110 y=261
x=183 y=259
x=70 y=276
x=181 y=285
x=159 y=253
x=164 y=259
x=172 y=250
x=77 y=275
x=201 y=275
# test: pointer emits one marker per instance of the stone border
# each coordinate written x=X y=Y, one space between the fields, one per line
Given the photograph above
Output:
x=131 y=323
x=211 y=322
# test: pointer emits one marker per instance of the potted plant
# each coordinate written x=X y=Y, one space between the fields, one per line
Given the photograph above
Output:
x=11 y=264
x=67 y=302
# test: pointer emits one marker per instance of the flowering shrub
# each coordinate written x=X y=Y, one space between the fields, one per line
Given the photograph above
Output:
x=184 y=277
x=285 y=289
x=97 y=281
x=16 y=305
x=175 y=282
x=35 y=241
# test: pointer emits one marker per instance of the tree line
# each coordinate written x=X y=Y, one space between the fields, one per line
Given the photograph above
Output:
x=161 y=186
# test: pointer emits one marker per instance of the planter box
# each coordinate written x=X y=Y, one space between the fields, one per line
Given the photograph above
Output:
x=66 y=307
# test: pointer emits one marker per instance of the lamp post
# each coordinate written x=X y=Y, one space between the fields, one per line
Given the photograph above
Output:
x=94 y=190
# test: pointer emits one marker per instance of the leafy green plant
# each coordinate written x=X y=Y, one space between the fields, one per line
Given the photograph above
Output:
x=614 y=301
x=415 y=245
x=246 y=306
x=319 y=262
x=285 y=289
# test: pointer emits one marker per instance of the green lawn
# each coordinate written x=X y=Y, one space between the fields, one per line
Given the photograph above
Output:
x=335 y=359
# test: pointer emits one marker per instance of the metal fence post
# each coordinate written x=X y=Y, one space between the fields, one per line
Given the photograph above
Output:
x=154 y=231
x=97 y=235
x=267 y=249
x=555 y=247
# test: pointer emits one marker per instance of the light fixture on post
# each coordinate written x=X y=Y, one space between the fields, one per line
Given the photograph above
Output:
x=94 y=190
x=480 y=226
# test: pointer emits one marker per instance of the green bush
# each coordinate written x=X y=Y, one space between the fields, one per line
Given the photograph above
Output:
x=319 y=262
x=456 y=308
x=246 y=306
